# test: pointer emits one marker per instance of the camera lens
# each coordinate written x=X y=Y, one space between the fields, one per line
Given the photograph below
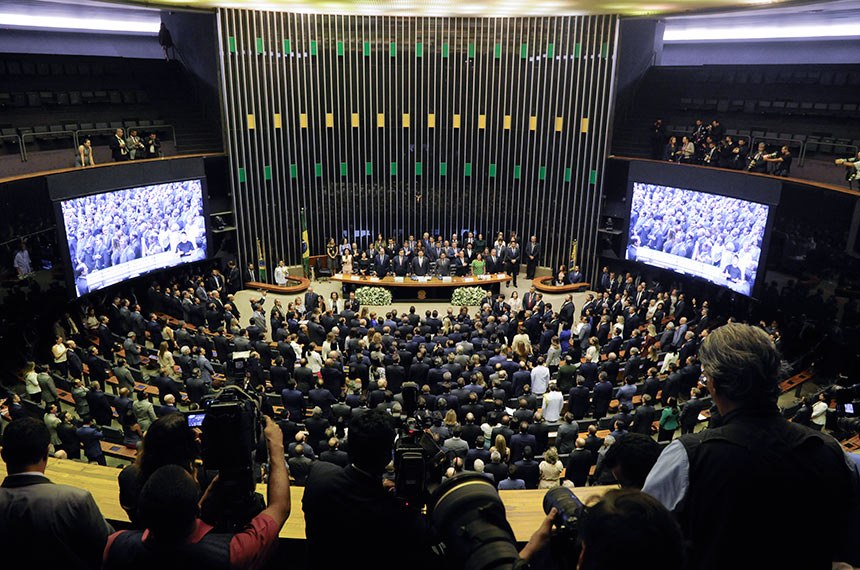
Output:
x=566 y=503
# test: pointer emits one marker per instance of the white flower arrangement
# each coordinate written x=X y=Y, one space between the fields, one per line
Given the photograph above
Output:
x=469 y=296
x=373 y=296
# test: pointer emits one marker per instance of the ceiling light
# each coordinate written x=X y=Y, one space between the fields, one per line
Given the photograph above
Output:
x=140 y=26
x=759 y=32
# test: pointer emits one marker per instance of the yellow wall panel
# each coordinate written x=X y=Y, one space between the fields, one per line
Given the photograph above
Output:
x=405 y=120
x=252 y=123
x=482 y=121
x=380 y=119
x=583 y=125
x=506 y=124
x=559 y=124
x=329 y=120
x=431 y=120
x=355 y=122
x=456 y=121
x=303 y=120
x=533 y=123
x=276 y=119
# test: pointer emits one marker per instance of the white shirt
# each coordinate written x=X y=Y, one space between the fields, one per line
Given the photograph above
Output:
x=819 y=413
x=280 y=275
x=540 y=379
x=552 y=404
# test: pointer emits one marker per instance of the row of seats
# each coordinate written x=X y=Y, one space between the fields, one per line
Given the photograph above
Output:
x=766 y=107
x=42 y=133
x=16 y=68
x=759 y=75
x=22 y=99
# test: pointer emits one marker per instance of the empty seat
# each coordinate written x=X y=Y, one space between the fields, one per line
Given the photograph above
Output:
x=158 y=122
x=102 y=126
x=115 y=97
x=75 y=98
x=116 y=124
x=33 y=99
x=764 y=106
x=28 y=68
x=100 y=96
x=736 y=105
x=144 y=123
x=62 y=98
x=849 y=110
x=806 y=107
x=84 y=68
x=87 y=126
x=56 y=69
x=13 y=68
x=47 y=97
x=87 y=96
x=5 y=99
x=129 y=97
x=41 y=133
x=791 y=107
x=43 y=68
x=819 y=108
x=834 y=108
x=778 y=106
x=70 y=127
x=70 y=69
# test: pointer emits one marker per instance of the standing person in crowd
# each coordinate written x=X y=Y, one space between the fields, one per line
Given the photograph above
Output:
x=550 y=470
x=819 y=413
x=669 y=420
x=153 y=146
x=512 y=260
x=135 y=146
x=533 y=251
x=758 y=458
x=51 y=525
x=118 y=148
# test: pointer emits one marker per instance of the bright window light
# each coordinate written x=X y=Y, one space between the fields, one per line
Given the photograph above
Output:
x=148 y=26
x=759 y=32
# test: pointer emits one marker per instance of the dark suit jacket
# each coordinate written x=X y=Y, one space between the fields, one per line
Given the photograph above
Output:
x=422 y=268
x=578 y=464
x=56 y=525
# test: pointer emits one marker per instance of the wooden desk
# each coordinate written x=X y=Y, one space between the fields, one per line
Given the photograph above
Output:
x=795 y=381
x=301 y=284
x=544 y=285
x=408 y=288
x=524 y=508
x=388 y=281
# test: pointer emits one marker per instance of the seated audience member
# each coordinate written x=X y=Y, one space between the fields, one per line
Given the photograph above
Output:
x=48 y=525
x=625 y=525
x=175 y=536
x=755 y=458
x=357 y=494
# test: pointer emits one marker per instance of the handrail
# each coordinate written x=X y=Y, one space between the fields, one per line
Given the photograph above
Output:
x=781 y=139
x=20 y=144
x=49 y=133
x=808 y=142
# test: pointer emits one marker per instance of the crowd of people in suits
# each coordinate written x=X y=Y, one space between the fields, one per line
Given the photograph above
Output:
x=490 y=385
x=468 y=254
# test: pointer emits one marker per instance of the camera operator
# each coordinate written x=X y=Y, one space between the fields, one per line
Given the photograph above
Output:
x=727 y=483
x=349 y=512
x=176 y=537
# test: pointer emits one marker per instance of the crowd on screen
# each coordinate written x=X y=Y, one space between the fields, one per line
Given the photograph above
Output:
x=714 y=230
x=708 y=144
x=110 y=229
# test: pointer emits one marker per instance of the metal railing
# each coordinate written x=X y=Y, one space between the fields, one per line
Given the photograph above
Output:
x=48 y=135
x=819 y=143
x=20 y=144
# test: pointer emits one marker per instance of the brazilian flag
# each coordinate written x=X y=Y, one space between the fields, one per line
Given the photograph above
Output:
x=306 y=252
x=261 y=263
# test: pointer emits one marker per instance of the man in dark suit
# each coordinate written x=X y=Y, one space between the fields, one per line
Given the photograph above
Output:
x=381 y=263
x=512 y=260
x=312 y=300
x=690 y=412
x=443 y=265
x=578 y=399
x=420 y=264
x=578 y=464
x=100 y=408
x=400 y=264
x=602 y=395
x=566 y=311
x=35 y=510
x=533 y=250
x=334 y=455
x=643 y=417
x=118 y=149
x=493 y=262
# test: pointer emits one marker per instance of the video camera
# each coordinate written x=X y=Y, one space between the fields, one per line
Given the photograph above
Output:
x=232 y=425
x=419 y=463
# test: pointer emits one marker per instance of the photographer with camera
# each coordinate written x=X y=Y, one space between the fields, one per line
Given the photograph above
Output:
x=169 y=508
x=729 y=482
x=348 y=511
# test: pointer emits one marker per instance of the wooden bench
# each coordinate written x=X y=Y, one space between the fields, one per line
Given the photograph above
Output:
x=852 y=444
x=796 y=381
x=118 y=450
x=544 y=285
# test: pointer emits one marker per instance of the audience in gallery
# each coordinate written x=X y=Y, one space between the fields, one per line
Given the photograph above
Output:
x=707 y=144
